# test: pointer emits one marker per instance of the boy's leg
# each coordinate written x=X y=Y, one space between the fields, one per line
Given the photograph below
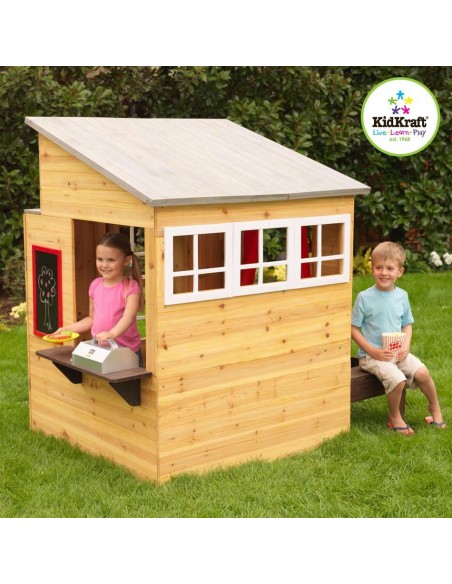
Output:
x=394 y=398
x=394 y=382
x=427 y=386
x=418 y=375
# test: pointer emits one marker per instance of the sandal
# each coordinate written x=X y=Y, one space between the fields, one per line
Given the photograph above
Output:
x=405 y=430
x=441 y=425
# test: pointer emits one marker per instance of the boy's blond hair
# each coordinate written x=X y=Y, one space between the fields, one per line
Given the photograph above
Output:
x=389 y=251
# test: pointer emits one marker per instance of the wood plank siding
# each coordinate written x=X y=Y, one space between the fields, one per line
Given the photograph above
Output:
x=258 y=376
x=70 y=188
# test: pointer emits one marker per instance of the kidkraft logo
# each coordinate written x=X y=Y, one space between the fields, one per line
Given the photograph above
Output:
x=400 y=116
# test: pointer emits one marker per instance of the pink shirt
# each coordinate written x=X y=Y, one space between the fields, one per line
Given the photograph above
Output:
x=109 y=305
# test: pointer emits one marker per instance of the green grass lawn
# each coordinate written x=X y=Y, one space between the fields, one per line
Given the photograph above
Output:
x=368 y=472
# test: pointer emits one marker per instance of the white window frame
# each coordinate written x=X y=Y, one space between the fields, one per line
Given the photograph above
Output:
x=169 y=274
x=232 y=258
x=318 y=280
x=260 y=286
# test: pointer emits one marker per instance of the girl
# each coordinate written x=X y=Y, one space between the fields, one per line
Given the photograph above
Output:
x=115 y=297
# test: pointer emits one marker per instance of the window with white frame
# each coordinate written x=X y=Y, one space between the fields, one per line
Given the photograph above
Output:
x=322 y=249
x=204 y=262
x=262 y=256
x=198 y=262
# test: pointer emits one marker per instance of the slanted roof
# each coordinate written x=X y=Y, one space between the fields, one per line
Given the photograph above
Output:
x=193 y=161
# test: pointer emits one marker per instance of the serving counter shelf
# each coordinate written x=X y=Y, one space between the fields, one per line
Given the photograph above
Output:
x=127 y=383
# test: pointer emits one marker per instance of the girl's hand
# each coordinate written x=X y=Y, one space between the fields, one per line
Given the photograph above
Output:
x=60 y=330
x=58 y=334
x=102 y=337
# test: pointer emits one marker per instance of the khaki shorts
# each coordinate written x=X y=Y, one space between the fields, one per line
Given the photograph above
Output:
x=391 y=374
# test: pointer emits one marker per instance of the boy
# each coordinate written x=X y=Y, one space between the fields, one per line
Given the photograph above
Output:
x=385 y=308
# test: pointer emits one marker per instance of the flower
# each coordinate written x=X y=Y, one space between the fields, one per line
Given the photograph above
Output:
x=19 y=312
x=435 y=259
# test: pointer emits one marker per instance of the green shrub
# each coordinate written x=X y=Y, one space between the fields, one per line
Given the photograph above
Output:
x=35 y=91
x=313 y=110
x=415 y=262
x=361 y=262
x=13 y=276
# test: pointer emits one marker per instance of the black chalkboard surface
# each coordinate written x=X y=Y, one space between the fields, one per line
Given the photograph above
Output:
x=47 y=293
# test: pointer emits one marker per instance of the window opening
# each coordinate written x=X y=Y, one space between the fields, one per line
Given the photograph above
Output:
x=249 y=255
x=308 y=236
x=183 y=253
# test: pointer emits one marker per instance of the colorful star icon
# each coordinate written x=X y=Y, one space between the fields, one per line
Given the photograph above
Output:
x=409 y=100
x=400 y=94
x=395 y=110
x=405 y=109
x=392 y=101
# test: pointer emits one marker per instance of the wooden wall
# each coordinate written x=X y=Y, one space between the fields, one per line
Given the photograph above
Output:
x=258 y=376
x=76 y=204
x=70 y=188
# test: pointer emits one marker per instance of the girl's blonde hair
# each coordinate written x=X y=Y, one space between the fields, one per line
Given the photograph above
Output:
x=387 y=250
x=121 y=242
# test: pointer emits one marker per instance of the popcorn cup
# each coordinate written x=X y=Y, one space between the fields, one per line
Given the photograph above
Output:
x=393 y=342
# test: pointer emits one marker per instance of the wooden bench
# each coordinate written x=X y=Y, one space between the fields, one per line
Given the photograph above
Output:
x=365 y=385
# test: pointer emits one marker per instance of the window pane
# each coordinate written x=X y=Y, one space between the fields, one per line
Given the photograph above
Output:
x=275 y=244
x=248 y=277
x=275 y=274
x=182 y=284
x=309 y=241
x=210 y=250
x=308 y=270
x=249 y=247
x=211 y=281
x=332 y=239
x=332 y=268
x=182 y=253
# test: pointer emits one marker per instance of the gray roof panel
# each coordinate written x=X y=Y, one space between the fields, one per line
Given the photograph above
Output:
x=167 y=162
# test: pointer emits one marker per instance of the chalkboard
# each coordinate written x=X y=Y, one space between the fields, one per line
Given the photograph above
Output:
x=47 y=293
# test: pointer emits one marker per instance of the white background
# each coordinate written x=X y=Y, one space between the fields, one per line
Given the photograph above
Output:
x=235 y=32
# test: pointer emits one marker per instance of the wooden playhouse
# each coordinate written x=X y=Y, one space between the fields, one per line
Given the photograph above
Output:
x=247 y=353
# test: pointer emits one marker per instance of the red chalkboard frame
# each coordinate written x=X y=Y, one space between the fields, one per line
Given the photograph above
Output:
x=47 y=290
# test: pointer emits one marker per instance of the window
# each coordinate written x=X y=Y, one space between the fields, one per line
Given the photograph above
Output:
x=198 y=262
x=204 y=262
x=322 y=246
x=262 y=256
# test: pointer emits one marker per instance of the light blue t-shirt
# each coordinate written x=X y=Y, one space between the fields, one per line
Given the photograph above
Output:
x=376 y=312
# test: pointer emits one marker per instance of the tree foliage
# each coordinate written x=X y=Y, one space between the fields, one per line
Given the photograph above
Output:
x=313 y=110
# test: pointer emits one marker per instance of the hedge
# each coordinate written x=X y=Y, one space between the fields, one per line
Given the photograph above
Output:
x=313 y=110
